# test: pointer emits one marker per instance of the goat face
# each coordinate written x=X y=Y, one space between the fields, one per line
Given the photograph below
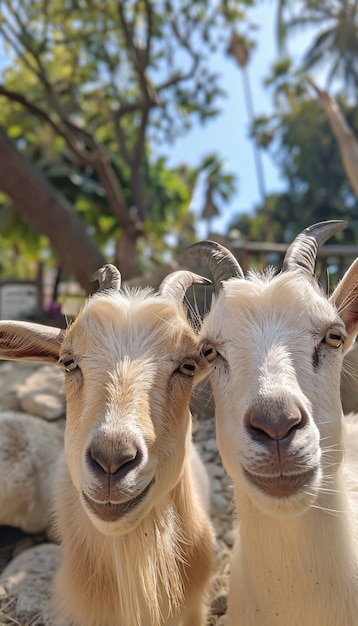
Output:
x=131 y=364
x=276 y=384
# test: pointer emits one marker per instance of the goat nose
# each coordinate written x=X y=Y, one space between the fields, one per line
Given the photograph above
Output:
x=275 y=423
x=116 y=462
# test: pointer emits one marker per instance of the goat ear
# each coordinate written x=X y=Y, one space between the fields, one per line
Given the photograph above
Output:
x=345 y=299
x=30 y=342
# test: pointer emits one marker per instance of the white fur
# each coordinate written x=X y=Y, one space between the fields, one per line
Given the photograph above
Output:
x=125 y=387
x=295 y=560
x=29 y=450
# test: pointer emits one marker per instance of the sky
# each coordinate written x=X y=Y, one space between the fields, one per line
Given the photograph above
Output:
x=228 y=135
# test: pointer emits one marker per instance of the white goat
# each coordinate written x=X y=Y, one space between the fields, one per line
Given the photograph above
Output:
x=29 y=449
x=137 y=542
x=276 y=345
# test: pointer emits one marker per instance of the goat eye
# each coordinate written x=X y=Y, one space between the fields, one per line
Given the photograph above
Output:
x=70 y=365
x=333 y=338
x=209 y=352
x=187 y=368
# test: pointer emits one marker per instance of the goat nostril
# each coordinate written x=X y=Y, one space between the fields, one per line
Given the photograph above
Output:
x=117 y=462
x=274 y=424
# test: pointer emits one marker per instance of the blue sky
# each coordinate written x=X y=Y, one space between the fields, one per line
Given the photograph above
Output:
x=228 y=134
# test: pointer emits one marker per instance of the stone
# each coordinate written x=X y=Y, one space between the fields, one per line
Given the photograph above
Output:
x=229 y=537
x=219 y=503
x=216 y=485
x=43 y=394
x=28 y=579
x=215 y=469
x=211 y=445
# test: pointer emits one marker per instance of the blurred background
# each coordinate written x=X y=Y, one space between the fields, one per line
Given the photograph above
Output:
x=131 y=129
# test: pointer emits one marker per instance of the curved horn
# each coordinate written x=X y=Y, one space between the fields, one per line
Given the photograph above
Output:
x=108 y=276
x=303 y=250
x=220 y=260
x=175 y=284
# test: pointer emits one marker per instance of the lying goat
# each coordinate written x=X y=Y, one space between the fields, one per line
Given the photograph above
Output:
x=137 y=542
x=276 y=345
x=29 y=447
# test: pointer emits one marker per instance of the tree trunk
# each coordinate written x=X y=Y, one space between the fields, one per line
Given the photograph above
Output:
x=346 y=139
x=125 y=255
x=50 y=214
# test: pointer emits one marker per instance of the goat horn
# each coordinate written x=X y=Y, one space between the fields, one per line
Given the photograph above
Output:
x=303 y=250
x=108 y=276
x=175 y=284
x=220 y=260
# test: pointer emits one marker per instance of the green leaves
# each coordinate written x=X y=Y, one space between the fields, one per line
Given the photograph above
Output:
x=89 y=92
x=334 y=41
x=300 y=140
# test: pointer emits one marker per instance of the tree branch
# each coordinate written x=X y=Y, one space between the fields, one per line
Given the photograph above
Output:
x=24 y=37
x=148 y=39
x=84 y=157
x=139 y=57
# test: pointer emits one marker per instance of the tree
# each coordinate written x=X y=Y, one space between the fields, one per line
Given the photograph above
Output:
x=335 y=42
x=299 y=139
x=343 y=133
x=110 y=80
x=312 y=141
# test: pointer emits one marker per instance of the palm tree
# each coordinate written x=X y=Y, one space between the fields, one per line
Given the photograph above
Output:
x=336 y=41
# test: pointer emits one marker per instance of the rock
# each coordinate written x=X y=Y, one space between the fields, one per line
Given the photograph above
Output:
x=216 y=484
x=215 y=469
x=218 y=606
x=43 y=393
x=211 y=445
x=28 y=580
x=219 y=504
x=230 y=536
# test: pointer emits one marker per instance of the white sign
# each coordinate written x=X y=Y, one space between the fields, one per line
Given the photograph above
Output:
x=17 y=300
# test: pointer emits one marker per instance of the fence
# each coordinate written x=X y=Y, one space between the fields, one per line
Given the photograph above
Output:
x=258 y=255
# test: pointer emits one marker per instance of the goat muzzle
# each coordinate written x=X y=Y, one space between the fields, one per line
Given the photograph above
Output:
x=111 y=511
x=274 y=421
x=112 y=465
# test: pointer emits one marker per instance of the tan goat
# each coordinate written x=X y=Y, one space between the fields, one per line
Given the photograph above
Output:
x=137 y=541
